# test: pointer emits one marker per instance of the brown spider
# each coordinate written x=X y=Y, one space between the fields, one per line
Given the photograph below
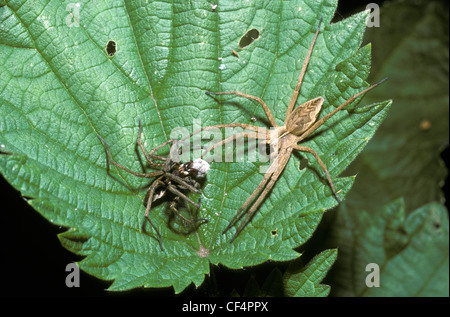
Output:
x=172 y=176
x=299 y=123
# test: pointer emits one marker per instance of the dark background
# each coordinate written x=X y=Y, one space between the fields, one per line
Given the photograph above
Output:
x=33 y=262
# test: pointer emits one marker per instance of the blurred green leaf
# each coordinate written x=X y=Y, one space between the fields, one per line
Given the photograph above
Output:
x=272 y=285
x=403 y=159
x=410 y=251
x=59 y=89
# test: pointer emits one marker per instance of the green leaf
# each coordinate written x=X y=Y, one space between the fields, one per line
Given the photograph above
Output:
x=402 y=161
x=411 y=252
x=59 y=89
x=403 y=158
x=298 y=280
x=306 y=282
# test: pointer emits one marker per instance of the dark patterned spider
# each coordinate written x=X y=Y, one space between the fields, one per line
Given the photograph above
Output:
x=172 y=176
x=299 y=124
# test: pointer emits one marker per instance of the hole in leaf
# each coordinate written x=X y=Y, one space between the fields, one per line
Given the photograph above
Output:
x=249 y=38
x=274 y=232
x=436 y=225
x=111 y=48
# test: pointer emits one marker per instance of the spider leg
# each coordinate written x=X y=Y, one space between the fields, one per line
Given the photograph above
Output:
x=231 y=138
x=302 y=74
x=322 y=165
x=161 y=158
x=202 y=220
x=284 y=158
x=229 y=125
x=151 y=192
x=111 y=160
x=259 y=100
x=180 y=181
x=175 y=191
x=150 y=155
x=195 y=223
x=191 y=222
x=261 y=185
x=220 y=126
x=175 y=210
x=332 y=113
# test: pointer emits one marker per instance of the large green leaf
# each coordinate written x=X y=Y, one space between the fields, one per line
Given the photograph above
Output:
x=59 y=89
